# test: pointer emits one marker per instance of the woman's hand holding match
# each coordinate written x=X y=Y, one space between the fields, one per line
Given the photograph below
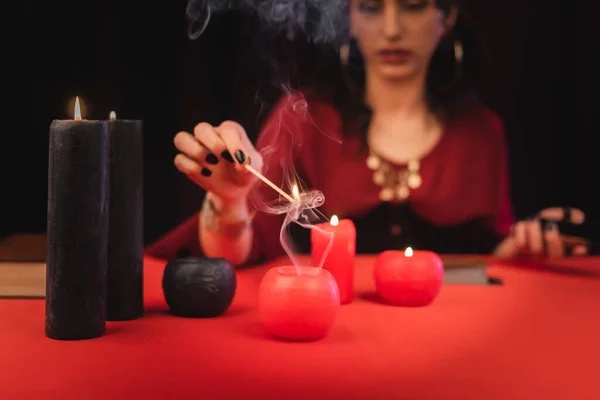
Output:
x=224 y=162
x=216 y=158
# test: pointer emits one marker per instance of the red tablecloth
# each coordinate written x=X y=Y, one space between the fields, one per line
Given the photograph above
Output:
x=535 y=337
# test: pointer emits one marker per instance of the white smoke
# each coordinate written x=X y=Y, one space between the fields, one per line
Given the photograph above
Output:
x=319 y=21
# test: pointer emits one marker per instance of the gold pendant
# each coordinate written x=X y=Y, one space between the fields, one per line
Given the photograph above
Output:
x=402 y=192
x=386 y=194
x=379 y=177
x=395 y=185
x=373 y=162
x=414 y=180
x=414 y=166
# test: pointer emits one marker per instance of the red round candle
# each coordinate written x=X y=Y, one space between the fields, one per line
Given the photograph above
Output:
x=340 y=260
x=408 y=278
x=298 y=303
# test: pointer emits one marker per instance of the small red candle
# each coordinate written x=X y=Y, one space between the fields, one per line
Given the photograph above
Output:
x=298 y=303
x=409 y=278
x=340 y=260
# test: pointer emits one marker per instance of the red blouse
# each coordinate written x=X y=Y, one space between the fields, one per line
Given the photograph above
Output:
x=464 y=177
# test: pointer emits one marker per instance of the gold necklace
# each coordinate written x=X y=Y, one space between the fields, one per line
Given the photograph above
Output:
x=396 y=184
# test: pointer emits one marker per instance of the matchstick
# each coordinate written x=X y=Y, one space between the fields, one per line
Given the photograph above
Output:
x=268 y=182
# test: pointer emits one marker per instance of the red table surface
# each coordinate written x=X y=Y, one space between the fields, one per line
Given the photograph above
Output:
x=535 y=337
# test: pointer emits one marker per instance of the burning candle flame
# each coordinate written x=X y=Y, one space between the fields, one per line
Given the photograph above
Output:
x=296 y=193
x=334 y=221
x=112 y=116
x=77 y=114
x=408 y=252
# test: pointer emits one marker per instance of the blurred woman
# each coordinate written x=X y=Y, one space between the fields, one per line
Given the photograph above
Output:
x=395 y=142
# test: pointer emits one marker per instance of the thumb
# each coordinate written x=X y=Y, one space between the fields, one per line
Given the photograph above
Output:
x=245 y=173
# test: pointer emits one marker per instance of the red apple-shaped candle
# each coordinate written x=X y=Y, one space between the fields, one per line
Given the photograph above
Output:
x=408 y=278
x=298 y=303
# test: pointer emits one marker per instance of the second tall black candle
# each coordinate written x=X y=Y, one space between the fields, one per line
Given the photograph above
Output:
x=124 y=291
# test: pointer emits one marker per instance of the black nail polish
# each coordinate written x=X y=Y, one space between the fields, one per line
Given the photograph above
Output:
x=206 y=172
x=567 y=214
x=227 y=155
x=212 y=159
x=549 y=226
x=240 y=156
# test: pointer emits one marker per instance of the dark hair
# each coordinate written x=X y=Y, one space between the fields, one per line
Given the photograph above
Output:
x=320 y=73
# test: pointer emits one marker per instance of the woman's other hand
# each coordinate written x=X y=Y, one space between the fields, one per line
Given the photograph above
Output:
x=540 y=236
x=215 y=158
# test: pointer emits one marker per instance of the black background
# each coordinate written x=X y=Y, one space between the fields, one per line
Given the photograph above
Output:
x=135 y=57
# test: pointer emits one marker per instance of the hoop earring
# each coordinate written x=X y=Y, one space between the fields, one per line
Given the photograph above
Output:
x=345 y=53
x=458 y=51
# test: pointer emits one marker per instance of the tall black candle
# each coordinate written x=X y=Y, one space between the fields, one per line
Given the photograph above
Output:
x=124 y=291
x=77 y=230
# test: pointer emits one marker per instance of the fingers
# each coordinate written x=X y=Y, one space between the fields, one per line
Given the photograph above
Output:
x=507 y=248
x=216 y=158
x=194 y=170
x=573 y=241
x=576 y=246
x=563 y=214
x=570 y=245
x=580 y=250
x=188 y=145
x=520 y=234
x=531 y=238
x=228 y=140
x=197 y=157
x=232 y=135
x=535 y=239
x=554 y=246
x=528 y=237
x=208 y=137
x=187 y=166
x=525 y=239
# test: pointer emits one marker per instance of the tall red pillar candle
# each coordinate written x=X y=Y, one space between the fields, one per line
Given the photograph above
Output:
x=408 y=278
x=77 y=231
x=340 y=259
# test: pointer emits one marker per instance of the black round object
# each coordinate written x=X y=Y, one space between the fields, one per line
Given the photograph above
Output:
x=199 y=287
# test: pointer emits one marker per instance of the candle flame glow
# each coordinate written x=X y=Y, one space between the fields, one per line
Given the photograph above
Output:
x=334 y=221
x=77 y=114
x=408 y=252
x=296 y=193
x=112 y=116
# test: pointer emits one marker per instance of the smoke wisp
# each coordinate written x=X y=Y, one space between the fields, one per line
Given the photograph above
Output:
x=319 y=21
x=323 y=22
x=280 y=144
